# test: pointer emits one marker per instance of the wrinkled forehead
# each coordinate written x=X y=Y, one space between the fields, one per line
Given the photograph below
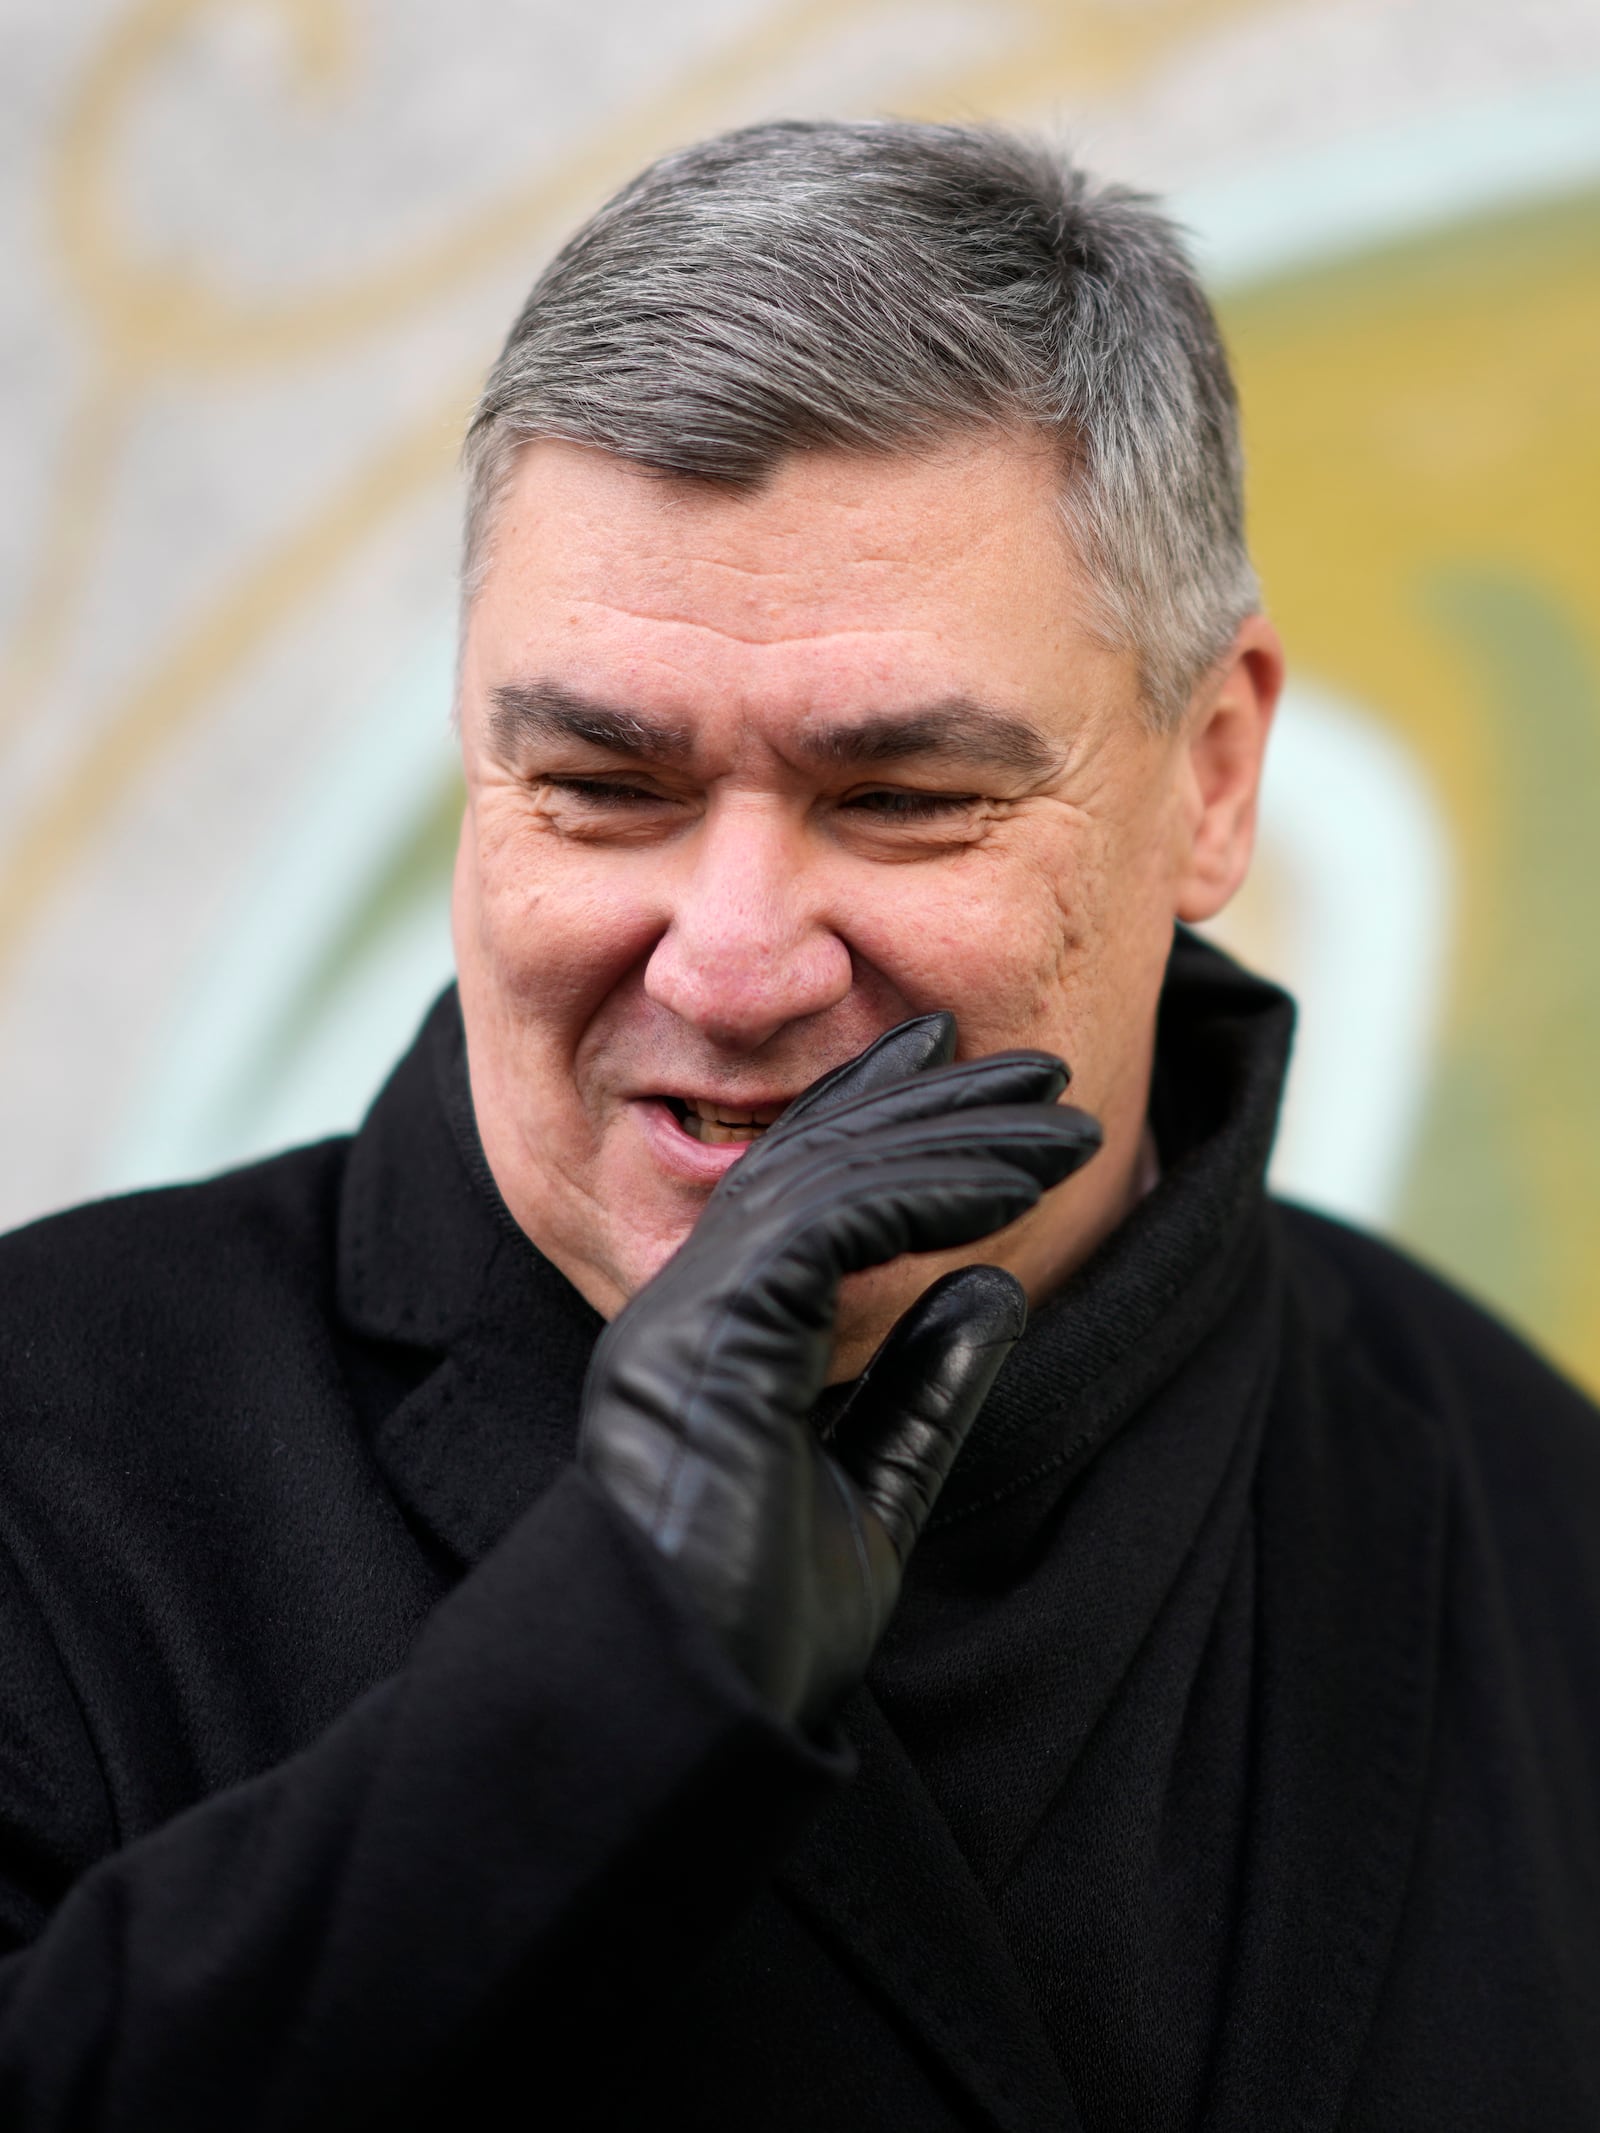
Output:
x=846 y=579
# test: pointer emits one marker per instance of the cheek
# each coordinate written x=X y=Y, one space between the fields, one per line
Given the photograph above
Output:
x=989 y=935
x=550 y=928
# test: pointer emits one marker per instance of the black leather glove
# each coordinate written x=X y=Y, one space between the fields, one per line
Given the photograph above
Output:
x=696 y=1409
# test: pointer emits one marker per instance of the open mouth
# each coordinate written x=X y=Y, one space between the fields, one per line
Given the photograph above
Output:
x=719 y=1124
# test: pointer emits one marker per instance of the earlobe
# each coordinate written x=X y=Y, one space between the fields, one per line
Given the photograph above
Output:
x=1226 y=747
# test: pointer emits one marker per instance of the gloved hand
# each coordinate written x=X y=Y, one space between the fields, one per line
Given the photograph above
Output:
x=696 y=1407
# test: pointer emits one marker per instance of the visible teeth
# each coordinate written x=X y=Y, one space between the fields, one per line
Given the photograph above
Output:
x=717 y=1124
x=713 y=1131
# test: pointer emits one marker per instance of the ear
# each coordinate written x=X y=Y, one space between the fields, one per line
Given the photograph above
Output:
x=1224 y=746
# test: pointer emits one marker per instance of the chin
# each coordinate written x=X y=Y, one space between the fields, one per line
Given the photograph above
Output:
x=870 y=1304
x=641 y=1248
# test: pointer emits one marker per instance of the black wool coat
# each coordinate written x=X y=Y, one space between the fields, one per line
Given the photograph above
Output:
x=1232 y=1761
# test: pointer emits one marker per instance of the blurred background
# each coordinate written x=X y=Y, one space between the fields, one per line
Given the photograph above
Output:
x=258 y=254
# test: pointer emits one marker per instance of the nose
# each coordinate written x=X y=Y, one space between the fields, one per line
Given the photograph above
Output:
x=748 y=948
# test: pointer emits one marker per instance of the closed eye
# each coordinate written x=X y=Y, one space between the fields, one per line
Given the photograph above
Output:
x=605 y=792
x=900 y=803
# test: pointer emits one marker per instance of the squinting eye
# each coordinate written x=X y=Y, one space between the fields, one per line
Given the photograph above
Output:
x=902 y=804
x=605 y=792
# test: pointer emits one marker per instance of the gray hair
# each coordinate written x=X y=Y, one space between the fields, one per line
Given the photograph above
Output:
x=874 y=286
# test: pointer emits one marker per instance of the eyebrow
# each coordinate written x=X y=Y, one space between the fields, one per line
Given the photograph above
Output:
x=960 y=729
x=524 y=711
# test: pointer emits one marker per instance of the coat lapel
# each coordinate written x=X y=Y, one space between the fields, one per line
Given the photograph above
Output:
x=1351 y=1523
x=450 y=1458
x=430 y=1264
x=880 y=1876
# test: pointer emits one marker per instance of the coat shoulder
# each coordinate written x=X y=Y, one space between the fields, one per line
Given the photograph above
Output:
x=1430 y=1337
x=153 y=1285
x=1522 y=1440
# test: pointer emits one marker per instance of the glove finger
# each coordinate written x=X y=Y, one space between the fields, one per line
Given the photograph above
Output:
x=909 y=1048
x=999 y=1078
x=1049 y=1141
x=919 y=1204
x=919 y=1396
x=1045 y=1142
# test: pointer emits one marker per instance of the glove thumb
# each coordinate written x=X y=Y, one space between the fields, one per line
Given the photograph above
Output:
x=920 y=1395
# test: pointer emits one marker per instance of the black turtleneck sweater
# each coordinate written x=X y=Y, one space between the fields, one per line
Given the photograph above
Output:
x=1232 y=1761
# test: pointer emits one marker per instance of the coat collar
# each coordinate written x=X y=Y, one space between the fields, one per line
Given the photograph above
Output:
x=431 y=1262
x=418 y=1235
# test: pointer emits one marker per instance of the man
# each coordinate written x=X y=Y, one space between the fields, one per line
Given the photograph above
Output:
x=425 y=1700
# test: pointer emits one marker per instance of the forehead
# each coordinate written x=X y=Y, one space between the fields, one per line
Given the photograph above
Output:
x=843 y=574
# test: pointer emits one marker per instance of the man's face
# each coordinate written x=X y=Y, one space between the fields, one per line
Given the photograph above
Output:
x=753 y=777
